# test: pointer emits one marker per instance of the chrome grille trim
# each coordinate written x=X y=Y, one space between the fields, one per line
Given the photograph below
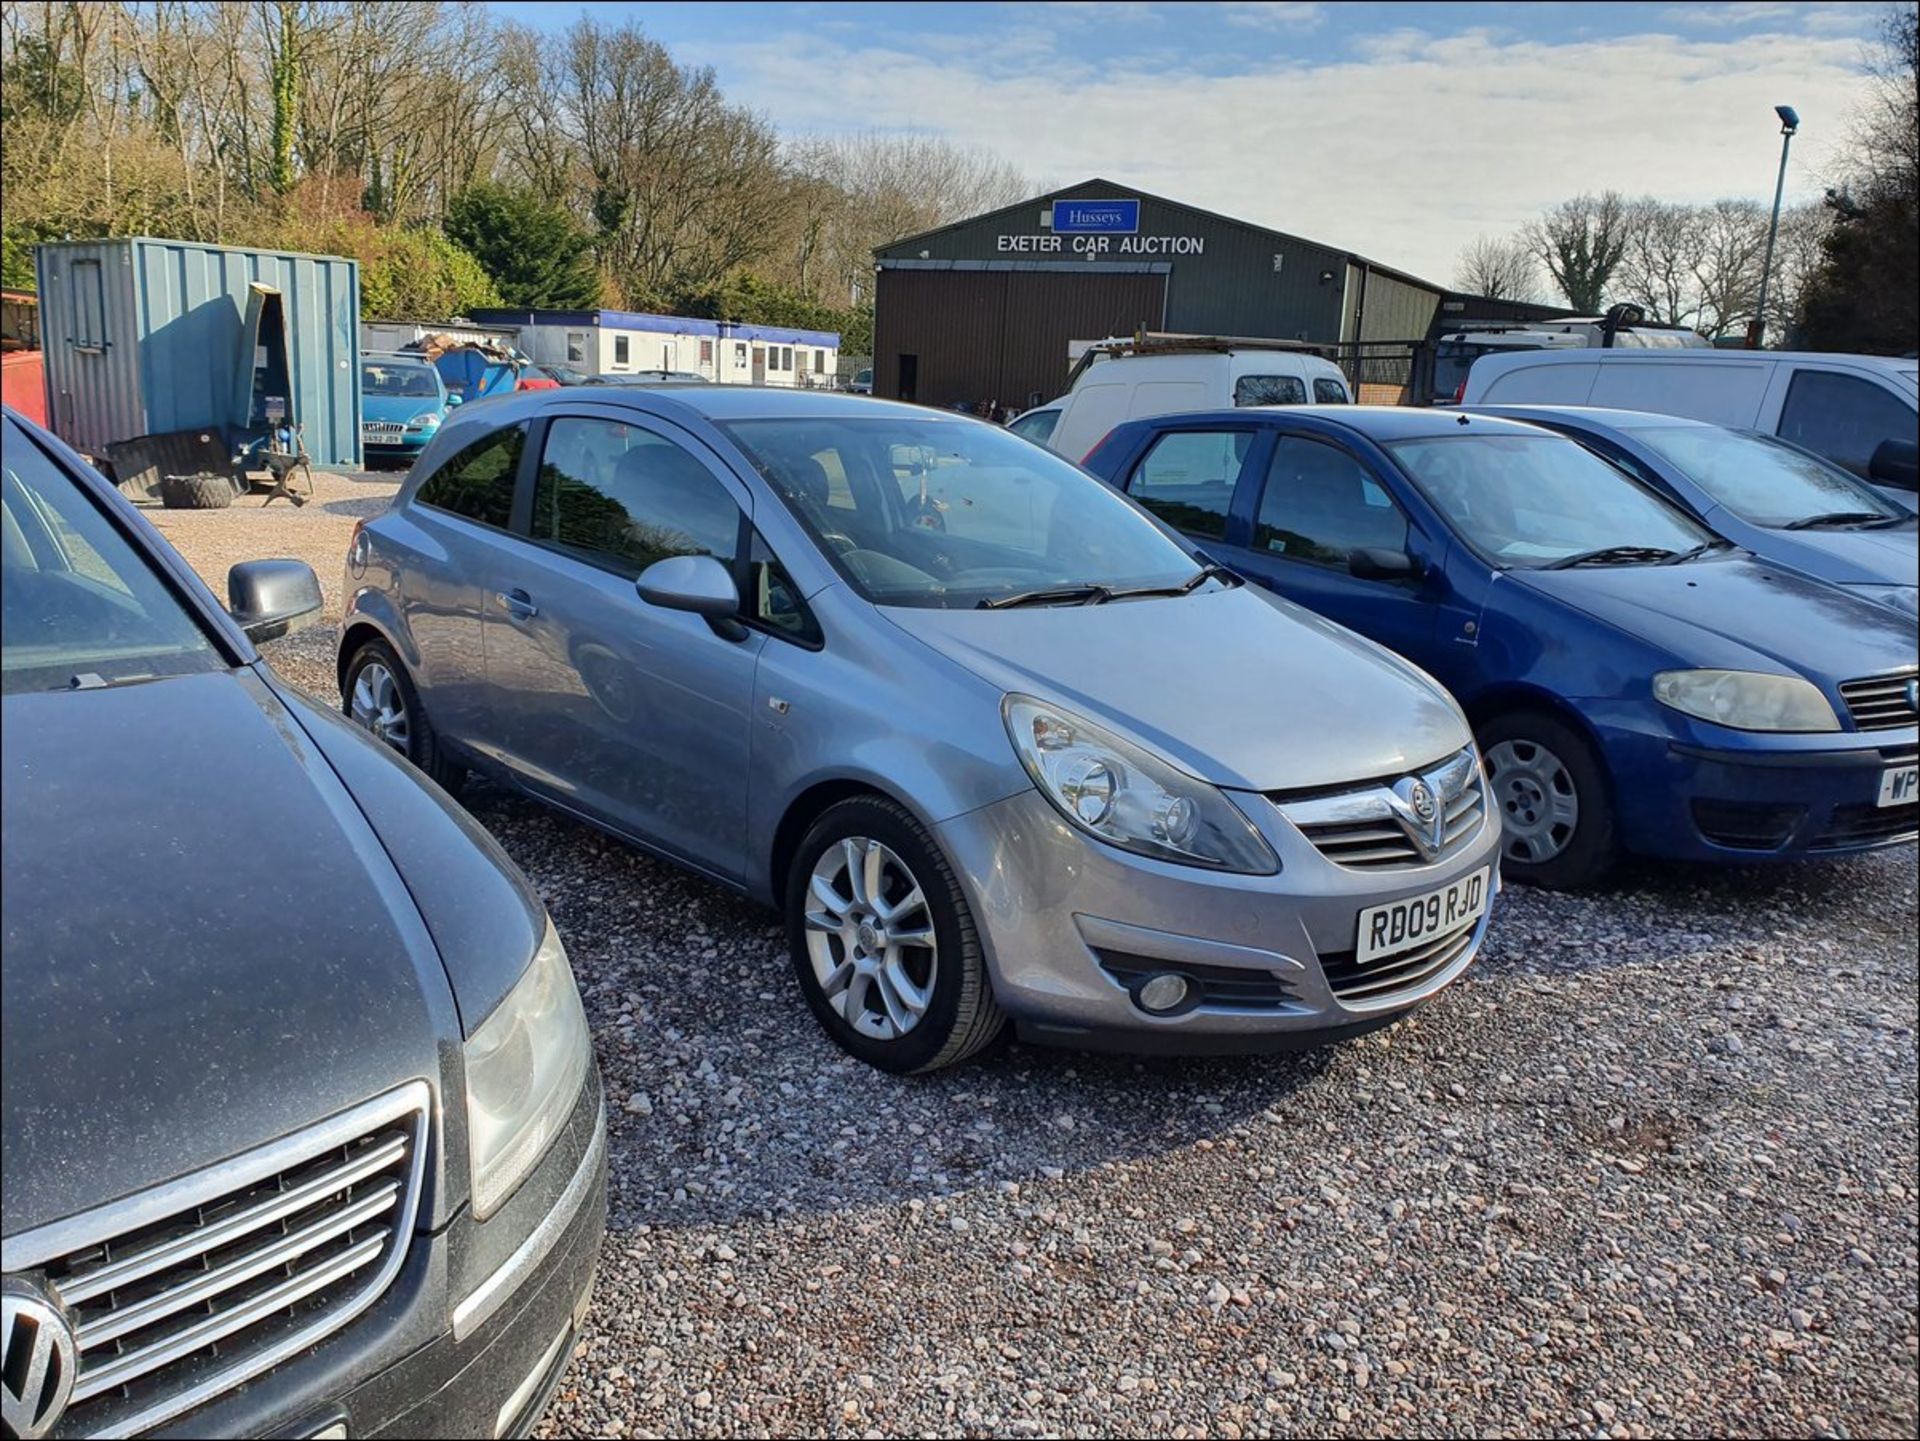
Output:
x=395 y=1130
x=1880 y=702
x=1361 y=828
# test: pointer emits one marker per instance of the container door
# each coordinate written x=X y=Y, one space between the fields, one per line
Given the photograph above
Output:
x=263 y=392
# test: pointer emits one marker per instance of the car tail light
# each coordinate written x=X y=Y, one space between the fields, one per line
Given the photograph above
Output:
x=1460 y=392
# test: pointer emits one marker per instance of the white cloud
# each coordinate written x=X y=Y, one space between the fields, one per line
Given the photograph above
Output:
x=1404 y=153
x=1726 y=14
x=1274 y=12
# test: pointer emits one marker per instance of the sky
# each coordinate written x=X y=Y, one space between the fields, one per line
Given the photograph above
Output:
x=1400 y=131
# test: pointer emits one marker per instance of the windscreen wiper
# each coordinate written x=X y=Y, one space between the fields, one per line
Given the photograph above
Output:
x=1186 y=587
x=1050 y=595
x=1610 y=554
x=1838 y=518
x=1699 y=550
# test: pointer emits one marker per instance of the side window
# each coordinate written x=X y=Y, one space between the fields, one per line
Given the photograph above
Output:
x=624 y=497
x=1270 y=390
x=1187 y=478
x=1036 y=427
x=1842 y=417
x=477 y=482
x=1329 y=392
x=773 y=600
x=576 y=348
x=1320 y=505
x=621 y=350
x=89 y=306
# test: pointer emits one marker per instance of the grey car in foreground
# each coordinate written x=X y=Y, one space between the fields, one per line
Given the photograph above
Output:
x=1786 y=505
x=996 y=742
x=302 y=1131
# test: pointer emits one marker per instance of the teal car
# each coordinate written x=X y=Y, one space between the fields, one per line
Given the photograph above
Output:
x=402 y=402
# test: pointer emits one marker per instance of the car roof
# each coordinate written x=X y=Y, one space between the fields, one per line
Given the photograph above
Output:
x=1376 y=422
x=1694 y=354
x=716 y=403
x=1596 y=415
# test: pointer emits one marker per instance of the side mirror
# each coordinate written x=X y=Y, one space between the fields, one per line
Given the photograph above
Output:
x=272 y=598
x=1896 y=463
x=1377 y=563
x=697 y=584
x=453 y=399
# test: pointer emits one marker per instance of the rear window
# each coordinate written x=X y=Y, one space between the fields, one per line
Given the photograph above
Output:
x=1329 y=392
x=477 y=481
x=1270 y=390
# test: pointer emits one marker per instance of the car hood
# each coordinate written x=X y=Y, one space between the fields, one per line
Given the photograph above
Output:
x=206 y=946
x=1234 y=686
x=1736 y=612
x=1852 y=557
x=399 y=409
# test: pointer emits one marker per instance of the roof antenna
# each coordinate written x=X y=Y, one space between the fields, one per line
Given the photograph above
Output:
x=1462 y=420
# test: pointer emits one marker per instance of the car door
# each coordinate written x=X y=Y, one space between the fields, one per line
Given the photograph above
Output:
x=440 y=549
x=1841 y=416
x=1311 y=506
x=631 y=714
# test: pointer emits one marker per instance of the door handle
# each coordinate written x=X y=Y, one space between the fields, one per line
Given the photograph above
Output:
x=518 y=604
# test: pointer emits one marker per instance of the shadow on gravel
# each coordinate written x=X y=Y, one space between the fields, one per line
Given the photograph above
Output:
x=365 y=509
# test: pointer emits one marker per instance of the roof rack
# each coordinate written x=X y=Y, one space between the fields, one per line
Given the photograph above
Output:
x=1147 y=342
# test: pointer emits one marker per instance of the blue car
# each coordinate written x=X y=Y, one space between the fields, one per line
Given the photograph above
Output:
x=1784 y=504
x=402 y=402
x=1636 y=682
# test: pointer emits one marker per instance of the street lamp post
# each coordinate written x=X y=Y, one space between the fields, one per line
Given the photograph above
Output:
x=1789 y=122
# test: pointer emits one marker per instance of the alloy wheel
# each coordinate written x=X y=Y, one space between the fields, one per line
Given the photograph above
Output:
x=870 y=938
x=1540 y=808
x=378 y=705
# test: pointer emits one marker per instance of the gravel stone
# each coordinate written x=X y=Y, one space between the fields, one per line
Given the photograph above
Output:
x=1544 y=1188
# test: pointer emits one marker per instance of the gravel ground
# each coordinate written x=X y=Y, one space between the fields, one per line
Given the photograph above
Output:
x=1649 y=1169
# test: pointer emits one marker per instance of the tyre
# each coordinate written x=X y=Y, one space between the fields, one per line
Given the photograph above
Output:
x=196 y=492
x=378 y=695
x=883 y=941
x=1552 y=796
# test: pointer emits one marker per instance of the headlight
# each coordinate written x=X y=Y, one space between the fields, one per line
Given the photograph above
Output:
x=1903 y=598
x=1112 y=789
x=1746 y=700
x=422 y=422
x=525 y=1066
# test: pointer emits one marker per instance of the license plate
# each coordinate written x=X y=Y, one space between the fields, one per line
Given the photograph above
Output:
x=1899 y=785
x=1401 y=925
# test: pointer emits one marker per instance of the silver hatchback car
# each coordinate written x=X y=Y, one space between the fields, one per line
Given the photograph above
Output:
x=998 y=743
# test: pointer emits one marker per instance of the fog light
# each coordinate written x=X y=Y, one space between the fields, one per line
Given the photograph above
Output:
x=1165 y=992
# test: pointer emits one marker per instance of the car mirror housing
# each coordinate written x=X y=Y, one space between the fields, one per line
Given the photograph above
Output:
x=1373 y=562
x=1896 y=463
x=697 y=584
x=273 y=598
x=452 y=399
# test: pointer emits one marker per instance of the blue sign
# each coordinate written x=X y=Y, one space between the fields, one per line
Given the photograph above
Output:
x=1096 y=217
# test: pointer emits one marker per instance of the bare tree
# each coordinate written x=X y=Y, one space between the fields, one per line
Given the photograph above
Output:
x=1660 y=243
x=1580 y=241
x=1499 y=270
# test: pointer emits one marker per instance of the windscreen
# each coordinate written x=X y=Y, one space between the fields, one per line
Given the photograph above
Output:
x=1532 y=500
x=1762 y=481
x=380 y=378
x=80 y=601
x=951 y=513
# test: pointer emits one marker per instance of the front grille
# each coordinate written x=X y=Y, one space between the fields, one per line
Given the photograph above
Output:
x=1366 y=828
x=1225 y=987
x=382 y=427
x=180 y=1293
x=1377 y=980
x=1866 y=825
x=1746 y=826
x=1881 y=702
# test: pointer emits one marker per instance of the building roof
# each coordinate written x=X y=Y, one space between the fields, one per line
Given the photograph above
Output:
x=1073 y=192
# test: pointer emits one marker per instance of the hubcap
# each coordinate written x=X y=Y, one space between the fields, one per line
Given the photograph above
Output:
x=377 y=705
x=1539 y=806
x=870 y=938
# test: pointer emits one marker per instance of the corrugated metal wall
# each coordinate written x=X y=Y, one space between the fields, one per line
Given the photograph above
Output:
x=1396 y=309
x=172 y=314
x=1000 y=333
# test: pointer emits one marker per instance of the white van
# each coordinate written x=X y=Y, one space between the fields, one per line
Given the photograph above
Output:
x=1166 y=379
x=1844 y=407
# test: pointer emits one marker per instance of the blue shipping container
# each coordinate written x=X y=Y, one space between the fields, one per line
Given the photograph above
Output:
x=150 y=337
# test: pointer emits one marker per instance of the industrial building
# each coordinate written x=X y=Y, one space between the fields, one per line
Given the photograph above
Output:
x=986 y=308
x=613 y=342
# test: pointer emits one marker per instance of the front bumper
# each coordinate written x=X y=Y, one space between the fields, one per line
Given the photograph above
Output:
x=1687 y=790
x=1066 y=921
x=408 y=1367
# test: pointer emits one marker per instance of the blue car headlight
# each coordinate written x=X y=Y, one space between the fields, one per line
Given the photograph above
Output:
x=424 y=422
x=1747 y=700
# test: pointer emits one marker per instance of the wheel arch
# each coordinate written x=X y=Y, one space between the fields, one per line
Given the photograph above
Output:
x=807 y=807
